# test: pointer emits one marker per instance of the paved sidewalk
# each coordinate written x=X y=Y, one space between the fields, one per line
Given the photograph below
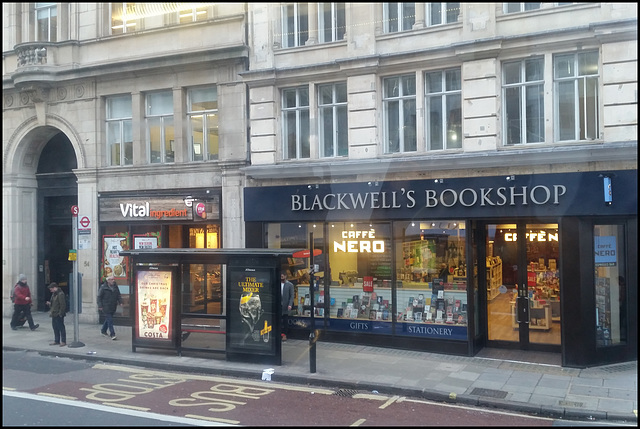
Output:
x=597 y=394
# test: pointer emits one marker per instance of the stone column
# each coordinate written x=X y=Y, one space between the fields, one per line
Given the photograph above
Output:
x=312 y=10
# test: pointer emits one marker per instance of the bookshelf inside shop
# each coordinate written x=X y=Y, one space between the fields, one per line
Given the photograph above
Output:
x=494 y=276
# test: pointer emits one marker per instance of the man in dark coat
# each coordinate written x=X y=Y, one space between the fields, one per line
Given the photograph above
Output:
x=58 y=310
x=108 y=299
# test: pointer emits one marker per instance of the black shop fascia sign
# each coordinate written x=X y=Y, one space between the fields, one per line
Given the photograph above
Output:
x=608 y=193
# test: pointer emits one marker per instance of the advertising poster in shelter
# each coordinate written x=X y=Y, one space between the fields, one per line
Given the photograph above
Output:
x=153 y=312
x=252 y=315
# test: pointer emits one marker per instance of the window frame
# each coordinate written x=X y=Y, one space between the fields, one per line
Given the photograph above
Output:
x=122 y=122
x=401 y=99
x=336 y=26
x=340 y=139
x=523 y=85
x=52 y=30
x=581 y=113
x=443 y=14
x=300 y=144
x=205 y=114
x=445 y=94
x=299 y=19
x=521 y=6
x=164 y=126
x=404 y=21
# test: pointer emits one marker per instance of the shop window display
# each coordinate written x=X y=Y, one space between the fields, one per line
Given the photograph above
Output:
x=361 y=269
x=431 y=273
x=610 y=285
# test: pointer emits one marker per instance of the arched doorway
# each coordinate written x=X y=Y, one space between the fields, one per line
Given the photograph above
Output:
x=57 y=192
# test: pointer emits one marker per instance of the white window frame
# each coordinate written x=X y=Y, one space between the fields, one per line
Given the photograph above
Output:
x=298 y=111
x=404 y=100
x=206 y=151
x=336 y=25
x=335 y=114
x=129 y=19
x=450 y=134
x=124 y=124
x=197 y=13
x=584 y=112
x=397 y=17
x=51 y=11
x=521 y=7
x=526 y=133
x=442 y=16
x=295 y=30
x=165 y=120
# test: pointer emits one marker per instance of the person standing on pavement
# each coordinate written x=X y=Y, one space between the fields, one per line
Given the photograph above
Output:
x=286 y=290
x=57 y=312
x=22 y=303
x=108 y=299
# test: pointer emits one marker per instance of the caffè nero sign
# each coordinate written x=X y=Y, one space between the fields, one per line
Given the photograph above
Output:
x=554 y=195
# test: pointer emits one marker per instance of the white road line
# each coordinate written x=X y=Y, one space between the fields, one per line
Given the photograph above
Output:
x=109 y=409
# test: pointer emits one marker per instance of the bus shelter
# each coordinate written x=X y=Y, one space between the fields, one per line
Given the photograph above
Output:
x=165 y=301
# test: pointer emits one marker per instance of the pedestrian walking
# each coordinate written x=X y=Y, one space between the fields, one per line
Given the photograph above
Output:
x=22 y=303
x=58 y=305
x=108 y=299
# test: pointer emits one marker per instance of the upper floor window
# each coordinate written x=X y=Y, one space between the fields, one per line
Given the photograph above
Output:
x=295 y=123
x=576 y=79
x=399 y=105
x=523 y=99
x=124 y=18
x=202 y=115
x=443 y=106
x=331 y=25
x=398 y=16
x=119 y=134
x=332 y=109
x=191 y=13
x=442 y=13
x=520 y=7
x=160 y=129
x=295 y=24
x=46 y=22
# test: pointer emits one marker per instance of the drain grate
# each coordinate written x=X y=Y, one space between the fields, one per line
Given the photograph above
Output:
x=489 y=392
x=347 y=393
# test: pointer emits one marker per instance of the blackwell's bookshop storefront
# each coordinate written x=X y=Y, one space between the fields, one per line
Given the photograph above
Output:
x=187 y=218
x=455 y=265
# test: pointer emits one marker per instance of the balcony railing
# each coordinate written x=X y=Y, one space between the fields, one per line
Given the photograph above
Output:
x=32 y=54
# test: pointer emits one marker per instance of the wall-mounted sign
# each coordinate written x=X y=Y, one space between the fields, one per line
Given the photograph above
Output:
x=158 y=209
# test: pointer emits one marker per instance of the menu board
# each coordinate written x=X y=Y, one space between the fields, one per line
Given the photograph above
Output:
x=153 y=309
x=112 y=263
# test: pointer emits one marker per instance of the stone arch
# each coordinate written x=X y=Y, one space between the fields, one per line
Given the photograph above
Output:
x=30 y=137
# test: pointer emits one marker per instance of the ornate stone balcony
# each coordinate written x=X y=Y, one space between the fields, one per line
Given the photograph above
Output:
x=32 y=54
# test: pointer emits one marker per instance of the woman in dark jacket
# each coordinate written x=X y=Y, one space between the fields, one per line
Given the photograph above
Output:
x=108 y=299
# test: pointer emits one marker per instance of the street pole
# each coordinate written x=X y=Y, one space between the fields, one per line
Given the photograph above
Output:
x=74 y=284
x=312 y=335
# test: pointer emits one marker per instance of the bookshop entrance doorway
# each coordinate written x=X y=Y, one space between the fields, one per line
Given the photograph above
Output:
x=523 y=285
